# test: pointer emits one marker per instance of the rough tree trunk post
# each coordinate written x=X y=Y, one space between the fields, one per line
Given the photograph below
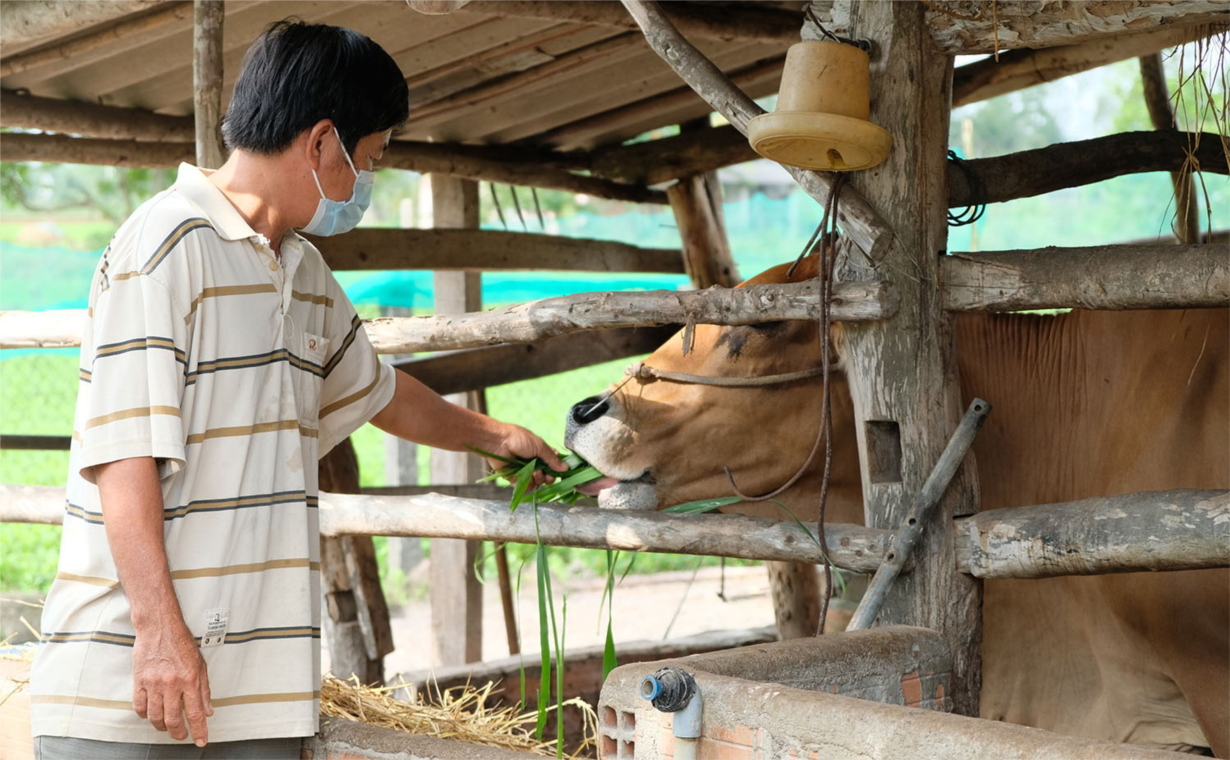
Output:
x=456 y=595
x=696 y=201
x=903 y=371
x=1157 y=98
x=207 y=19
x=356 y=618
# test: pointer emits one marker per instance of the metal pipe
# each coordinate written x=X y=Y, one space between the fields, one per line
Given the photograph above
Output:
x=937 y=482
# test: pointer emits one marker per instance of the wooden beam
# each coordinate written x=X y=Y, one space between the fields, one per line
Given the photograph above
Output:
x=92 y=120
x=31 y=22
x=456 y=594
x=902 y=371
x=428 y=158
x=624 y=122
x=25 y=61
x=657 y=161
x=852 y=547
x=1114 y=277
x=1018 y=69
x=475 y=368
x=589 y=56
x=63 y=149
x=732 y=22
x=969 y=27
x=36 y=442
x=207 y=20
x=1137 y=532
x=861 y=223
x=491 y=250
x=484 y=491
x=1186 y=223
x=537 y=320
x=1084 y=162
x=515 y=167
x=532 y=322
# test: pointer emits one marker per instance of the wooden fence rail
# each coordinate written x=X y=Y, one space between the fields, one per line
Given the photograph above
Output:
x=851 y=547
x=1156 y=530
x=1164 y=530
x=537 y=320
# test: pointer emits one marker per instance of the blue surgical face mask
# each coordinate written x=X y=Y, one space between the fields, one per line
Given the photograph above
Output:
x=336 y=217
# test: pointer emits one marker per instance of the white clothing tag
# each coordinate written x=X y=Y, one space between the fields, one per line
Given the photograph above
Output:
x=215 y=627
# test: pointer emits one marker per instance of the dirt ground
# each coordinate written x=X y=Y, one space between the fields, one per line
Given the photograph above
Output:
x=644 y=608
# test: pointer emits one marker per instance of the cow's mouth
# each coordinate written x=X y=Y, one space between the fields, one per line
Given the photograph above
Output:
x=612 y=493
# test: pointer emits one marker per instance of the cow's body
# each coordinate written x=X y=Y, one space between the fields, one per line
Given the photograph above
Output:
x=1085 y=404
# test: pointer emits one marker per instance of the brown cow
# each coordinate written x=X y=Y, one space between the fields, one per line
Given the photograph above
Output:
x=1086 y=404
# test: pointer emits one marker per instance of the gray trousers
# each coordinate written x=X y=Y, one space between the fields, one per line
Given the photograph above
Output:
x=71 y=748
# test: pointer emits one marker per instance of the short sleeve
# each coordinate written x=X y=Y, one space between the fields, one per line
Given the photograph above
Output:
x=133 y=359
x=357 y=385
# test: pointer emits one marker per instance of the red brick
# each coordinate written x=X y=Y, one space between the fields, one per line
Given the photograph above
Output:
x=911 y=689
x=708 y=749
x=737 y=735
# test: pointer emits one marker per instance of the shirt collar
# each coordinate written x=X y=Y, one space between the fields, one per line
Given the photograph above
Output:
x=194 y=184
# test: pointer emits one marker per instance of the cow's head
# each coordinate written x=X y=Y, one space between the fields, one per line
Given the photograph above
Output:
x=662 y=443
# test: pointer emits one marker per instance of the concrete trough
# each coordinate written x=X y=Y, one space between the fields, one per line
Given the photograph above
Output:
x=847 y=696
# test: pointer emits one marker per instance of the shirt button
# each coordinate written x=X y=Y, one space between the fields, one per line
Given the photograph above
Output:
x=273 y=265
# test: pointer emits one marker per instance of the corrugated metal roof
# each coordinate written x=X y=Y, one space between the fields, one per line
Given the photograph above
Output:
x=474 y=77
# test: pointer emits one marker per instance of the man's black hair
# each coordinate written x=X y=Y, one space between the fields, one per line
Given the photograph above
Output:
x=297 y=74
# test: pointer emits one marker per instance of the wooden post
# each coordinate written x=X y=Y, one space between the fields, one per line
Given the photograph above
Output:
x=207 y=21
x=456 y=595
x=903 y=371
x=357 y=619
x=697 y=203
x=1187 y=215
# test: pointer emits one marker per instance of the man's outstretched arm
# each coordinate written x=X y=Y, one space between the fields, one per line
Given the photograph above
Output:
x=419 y=414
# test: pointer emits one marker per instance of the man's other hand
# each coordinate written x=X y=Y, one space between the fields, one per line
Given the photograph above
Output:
x=170 y=683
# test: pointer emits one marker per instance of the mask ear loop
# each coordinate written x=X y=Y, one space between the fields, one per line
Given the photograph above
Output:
x=344 y=153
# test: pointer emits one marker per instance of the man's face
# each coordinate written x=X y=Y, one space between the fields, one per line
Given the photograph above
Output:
x=336 y=177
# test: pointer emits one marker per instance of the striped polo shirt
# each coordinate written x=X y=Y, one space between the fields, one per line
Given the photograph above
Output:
x=235 y=372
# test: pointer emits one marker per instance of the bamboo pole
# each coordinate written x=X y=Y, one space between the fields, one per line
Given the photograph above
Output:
x=207 y=20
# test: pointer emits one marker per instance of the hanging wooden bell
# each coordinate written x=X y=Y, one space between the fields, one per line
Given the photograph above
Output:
x=822 y=110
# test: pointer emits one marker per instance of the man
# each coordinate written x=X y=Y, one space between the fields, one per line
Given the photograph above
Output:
x=221 y=359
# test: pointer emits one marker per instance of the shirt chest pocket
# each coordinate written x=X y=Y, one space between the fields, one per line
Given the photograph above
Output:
x=309 y=369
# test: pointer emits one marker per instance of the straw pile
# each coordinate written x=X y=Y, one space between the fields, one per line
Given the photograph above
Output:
x=464 y=714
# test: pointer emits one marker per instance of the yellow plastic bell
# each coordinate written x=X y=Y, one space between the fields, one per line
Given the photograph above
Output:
x=822 y=110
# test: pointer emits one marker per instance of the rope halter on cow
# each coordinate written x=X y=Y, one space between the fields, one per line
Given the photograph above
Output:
x=645 y=373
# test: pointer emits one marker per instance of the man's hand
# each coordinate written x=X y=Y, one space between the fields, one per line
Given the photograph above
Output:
x=516 y=441
x=170 y=682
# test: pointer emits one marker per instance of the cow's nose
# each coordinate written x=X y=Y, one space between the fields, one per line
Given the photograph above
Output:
x=589 y=410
